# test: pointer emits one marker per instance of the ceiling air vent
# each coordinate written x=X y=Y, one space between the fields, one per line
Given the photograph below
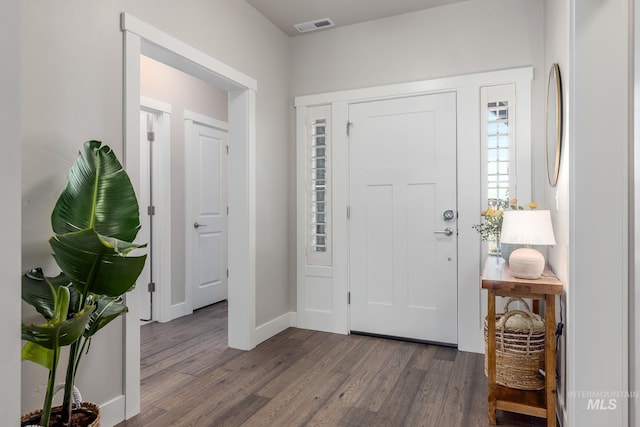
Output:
x=318 y=24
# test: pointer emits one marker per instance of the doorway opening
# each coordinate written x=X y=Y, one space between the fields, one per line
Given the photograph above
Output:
x=183 y=142
x=141 y=38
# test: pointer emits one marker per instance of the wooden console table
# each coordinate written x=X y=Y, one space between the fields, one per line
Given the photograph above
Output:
x=497 y=279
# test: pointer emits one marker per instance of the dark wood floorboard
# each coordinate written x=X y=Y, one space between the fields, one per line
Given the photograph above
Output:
x=305 y=378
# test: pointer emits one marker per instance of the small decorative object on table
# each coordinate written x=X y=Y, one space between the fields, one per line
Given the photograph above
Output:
x=490 y=229
x=527 y=228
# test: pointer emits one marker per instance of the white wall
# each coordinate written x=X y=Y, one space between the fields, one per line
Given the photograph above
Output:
x=72 y=91
x=634 y=282
x=10 y=166
x=467 y=37
x=556 y=49
x=599 y=149
x=182 y=92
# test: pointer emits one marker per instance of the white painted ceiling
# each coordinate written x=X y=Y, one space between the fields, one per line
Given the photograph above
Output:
x=286 y=13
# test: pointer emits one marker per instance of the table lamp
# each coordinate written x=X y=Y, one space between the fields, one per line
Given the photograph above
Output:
x=527 y=228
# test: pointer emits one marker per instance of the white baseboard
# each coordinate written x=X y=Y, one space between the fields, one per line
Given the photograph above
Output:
x=274 y=327
x=112 y=412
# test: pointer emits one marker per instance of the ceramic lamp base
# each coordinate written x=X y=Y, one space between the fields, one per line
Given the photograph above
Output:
x=526 y=263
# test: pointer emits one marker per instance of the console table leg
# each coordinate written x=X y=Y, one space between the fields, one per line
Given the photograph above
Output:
x=491 y=357
x=550 y=359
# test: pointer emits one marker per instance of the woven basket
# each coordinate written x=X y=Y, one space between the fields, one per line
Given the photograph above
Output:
x=519 y=352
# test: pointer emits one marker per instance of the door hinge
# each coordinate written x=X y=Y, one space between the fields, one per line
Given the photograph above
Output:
x=227 y=273
x=349 y=126
x=227 y=149
x=348 y=298
x=348 y=212
x=151 y=210
x=151 y=287
x=151 y=136
x=227 y=210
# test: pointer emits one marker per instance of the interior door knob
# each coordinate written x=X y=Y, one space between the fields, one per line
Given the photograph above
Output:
x=196 y=225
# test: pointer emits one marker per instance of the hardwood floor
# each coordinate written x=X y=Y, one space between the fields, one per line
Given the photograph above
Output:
x=300 y=377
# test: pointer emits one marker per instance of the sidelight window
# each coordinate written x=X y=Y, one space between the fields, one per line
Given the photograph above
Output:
x=318 y=186
x=498 y=147
x=498 y=138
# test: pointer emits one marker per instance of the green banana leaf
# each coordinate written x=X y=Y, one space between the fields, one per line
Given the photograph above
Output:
x=44 y=340
x=95 y=221
x=98 y=195
x=107 y=309
x=36 y=291
x=93 y=266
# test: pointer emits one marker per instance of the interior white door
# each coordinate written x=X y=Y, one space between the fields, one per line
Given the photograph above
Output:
x=206 y=260
x=147 y=124
x=402 y=246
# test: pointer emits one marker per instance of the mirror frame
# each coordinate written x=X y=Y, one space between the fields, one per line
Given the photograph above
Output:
x=553 y=124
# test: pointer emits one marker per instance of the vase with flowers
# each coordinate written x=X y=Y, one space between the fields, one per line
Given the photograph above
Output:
x=490 y=227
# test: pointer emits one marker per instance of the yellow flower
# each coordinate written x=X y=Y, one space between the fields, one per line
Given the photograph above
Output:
x=490 y=212
x=533 y=205
x=499 y=213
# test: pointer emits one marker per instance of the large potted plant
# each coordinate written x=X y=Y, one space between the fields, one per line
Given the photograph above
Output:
x=95 y=221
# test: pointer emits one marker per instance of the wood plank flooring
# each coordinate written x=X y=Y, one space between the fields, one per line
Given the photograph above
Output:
x=305 y=378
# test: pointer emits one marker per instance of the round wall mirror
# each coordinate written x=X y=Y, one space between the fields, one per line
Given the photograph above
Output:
x=554 y=124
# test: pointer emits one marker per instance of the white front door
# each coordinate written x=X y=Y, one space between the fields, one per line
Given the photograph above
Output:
x=206 y=198
x=403 y=252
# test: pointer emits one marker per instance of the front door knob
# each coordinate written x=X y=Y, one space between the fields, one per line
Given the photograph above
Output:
x=447 y=231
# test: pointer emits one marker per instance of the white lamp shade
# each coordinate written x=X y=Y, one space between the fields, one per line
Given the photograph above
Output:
x=527 y=228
